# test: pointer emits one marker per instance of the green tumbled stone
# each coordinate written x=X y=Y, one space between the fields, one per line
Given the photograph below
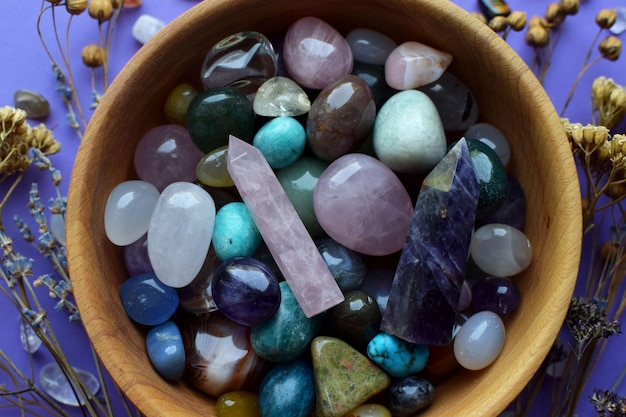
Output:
x=344 y=378
x=216 y=113
x=177 y=103
x=491 y=176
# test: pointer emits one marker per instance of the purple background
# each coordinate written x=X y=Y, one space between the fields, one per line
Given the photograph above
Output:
x=25 y=65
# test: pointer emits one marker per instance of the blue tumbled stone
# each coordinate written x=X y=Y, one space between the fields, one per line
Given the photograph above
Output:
x=281 y=141
x=147 y=300
x=166 y=351
x=346 y=266
x=287 y=390
x=234 y=233
x=397 y=357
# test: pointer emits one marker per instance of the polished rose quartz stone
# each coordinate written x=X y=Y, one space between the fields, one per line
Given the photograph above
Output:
x=361 y=204
x=315 y=54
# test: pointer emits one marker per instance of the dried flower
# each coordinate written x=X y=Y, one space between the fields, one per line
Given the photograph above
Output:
x=76 y=7
x=587 y=322
x=606 y=18
x=608 y=99
x=608 y=403
x=101 y=10
x=555 y=14
x=498 y=24
x=517 y=20
x=610 y=48
x=569 y=7
x=537 y=36
x=93 y=55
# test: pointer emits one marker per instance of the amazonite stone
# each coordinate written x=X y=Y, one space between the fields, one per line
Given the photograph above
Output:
x=408 y=133
x=234 y=232
x=288 y=333
x=128 y=210
x=287 y=390
x=299 y=180
x=179 y=234
x=479 y=340
x=281 y=141
x=396 y=356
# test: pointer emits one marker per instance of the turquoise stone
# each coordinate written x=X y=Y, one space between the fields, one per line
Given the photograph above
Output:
x=287 y=390
x=396 y=356
x=166 y=351
x=355 y=320
x=216 y=113
x=288 y=333
x=281 y=141
x=347 y=266
x=147 y=300
x=299 y=180
x=234 y=232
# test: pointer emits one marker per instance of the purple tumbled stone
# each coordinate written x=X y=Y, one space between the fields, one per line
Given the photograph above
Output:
x=136 y=257
x=315 y=54
x=166 y=154
x=497 y=294
x=362 y=204
x=246 y=291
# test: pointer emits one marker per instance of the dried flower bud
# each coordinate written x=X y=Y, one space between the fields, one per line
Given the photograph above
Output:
x=101 y=10
x=481 y=17
x=570 y=6
x=601 y=134
x=604 y=152
x=93 y=55
x=589 y=134
x=517 y=20
x=498 y=24
x=555 y=14
x=538 y=21
x=610 y=48
x=606 y=18
x=621 y=140
x=615 y=190
x=537 y=36
x=75 y=7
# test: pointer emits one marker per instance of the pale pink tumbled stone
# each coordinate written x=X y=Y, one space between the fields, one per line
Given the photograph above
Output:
x=315 y=54
x=413 y=64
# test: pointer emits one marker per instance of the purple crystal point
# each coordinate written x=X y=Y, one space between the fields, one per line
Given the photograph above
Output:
x=426 y=288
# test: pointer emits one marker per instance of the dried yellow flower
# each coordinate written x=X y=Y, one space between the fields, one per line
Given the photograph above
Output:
x=608 y=99
x=42 y=138
x=610 y=48
x=619 y=142
x=570 y=6
x=13 y=141
x=498 y=24
x=517 y=20
x=76 y=7
x=93 y=55
x=481 y=17
x=101 y=10
x=606 y=18
x=537 y=36
x=555 y=14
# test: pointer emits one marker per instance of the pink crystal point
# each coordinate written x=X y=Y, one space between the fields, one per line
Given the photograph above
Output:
x=284 y=233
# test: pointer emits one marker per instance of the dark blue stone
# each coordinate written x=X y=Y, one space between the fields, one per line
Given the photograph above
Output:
x=346 y=266
x=496 y=294
x=166 y=351
x=147 y=300
x=287 y=390
x=409 y=395
x=425 y=293
x=246 y=291
x=513 y=209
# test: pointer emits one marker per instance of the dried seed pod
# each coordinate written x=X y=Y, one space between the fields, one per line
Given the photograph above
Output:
x=606 y=18
x=538 y=21
x=555 y=14
x=76 y=7
x=601 y=135
x=621 y=140
x=589 y=134
x=570 y=6
x=93 y=55
x=498 y=24
x=610 y=48
x=101 y=10
x=117 y=4
x=616 y=190
x=54 y=2
x=517 y=20
x=479 y=16
x=537 y=36
x=608 y=251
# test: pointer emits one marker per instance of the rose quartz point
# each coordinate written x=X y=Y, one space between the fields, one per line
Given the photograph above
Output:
x=282 y=230
x=413 y=65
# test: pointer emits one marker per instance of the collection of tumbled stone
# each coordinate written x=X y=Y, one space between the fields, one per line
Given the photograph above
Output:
x=296 y=236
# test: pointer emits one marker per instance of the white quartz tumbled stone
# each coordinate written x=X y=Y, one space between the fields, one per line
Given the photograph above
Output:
x=128 y=210
x=146 y=27
x=180 y=233
x=500 y=250
x=479 y=340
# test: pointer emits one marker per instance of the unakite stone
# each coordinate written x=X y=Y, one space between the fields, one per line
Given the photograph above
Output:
x=147 y=300
x=281 y=141
x=212 y=171
x=177 y=103
x=216 y=113
x=280 y=96
x=235 y=233
x=238 y=404
x=344 y=378
x=397 y=357
x=34 y=104
x=299 y=180
x=166 y=352
x=288 y=333
x=287 y=390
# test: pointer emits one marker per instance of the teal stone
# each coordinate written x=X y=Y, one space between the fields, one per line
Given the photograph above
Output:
x=288 y=333
x=491 y=175
x=299 y=180
x=216 y=113
x=166 y=351
x=234 y=232
x=288 y=390
x=281 y=141
x=396 y=356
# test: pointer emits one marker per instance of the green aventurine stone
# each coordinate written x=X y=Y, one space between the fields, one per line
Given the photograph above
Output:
x=344 y=378
x=216 y=113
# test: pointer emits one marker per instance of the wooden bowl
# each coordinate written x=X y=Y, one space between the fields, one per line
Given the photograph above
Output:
x=509 y=97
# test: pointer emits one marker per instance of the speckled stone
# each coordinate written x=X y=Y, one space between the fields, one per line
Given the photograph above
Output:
x=344 y=378
x=234 y=232
x=287 y=390
x=396 y=356
x=347 y=266
x=355 y=320
x=409 y=395
x=281 y=141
